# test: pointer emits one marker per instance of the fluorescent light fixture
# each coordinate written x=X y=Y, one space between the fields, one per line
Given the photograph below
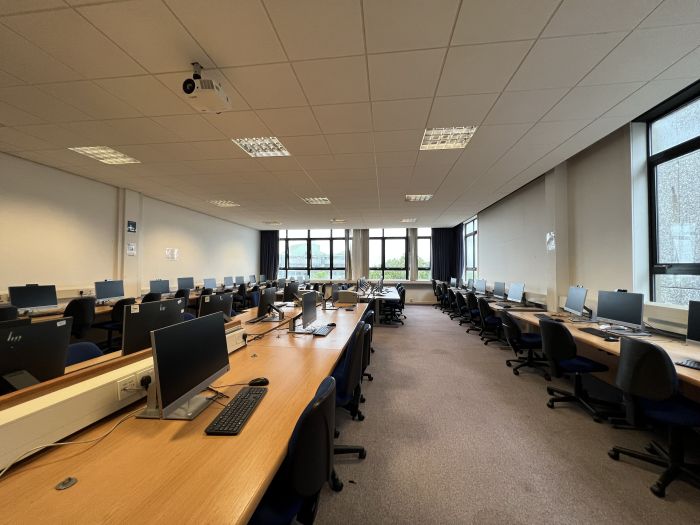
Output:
x=447 y=138
x=338 y=221
x=409 y=220
x=273 y=223
x=418 y=198
x=224 y=204
x=316 y=200
x=105 y=154
x=262 y=147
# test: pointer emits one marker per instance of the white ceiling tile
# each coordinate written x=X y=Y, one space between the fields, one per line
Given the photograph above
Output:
x=190 y=127
x=344 y=118
x=396 y=159
x=403 y=140
x=488 y=144
x=482 y=21
x=645 y=53
x=577 y=17
x=267 y=85
x=588 y=102
x=279 y=163
x=141 y=131
x=97 y=133
x=40 y=104
x=14 y=140
x=350 y=143
x=317 y=162
x=482 y=68
x=57 y=135
x=514 y=107
x=290 y=121
x=394 y=25
x=305 y=145
x=91 y=99
x=334 y=80
x=647 y=97
x=147 y=95
x=438 y=157
x=73 y=40
x=674 y=13
x=60 y=158
x=218 y=149
x=400 y=114
x=408 y=74
x=25 y=6
x=239 y=124
x=686 y=67
x=318 y=28
x=231 y=33
x=562 y=62
x=12 y=116
x=461 y=110
x=6 y=79
x=173 y=81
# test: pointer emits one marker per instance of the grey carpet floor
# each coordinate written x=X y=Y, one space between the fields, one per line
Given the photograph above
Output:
x=452 y=436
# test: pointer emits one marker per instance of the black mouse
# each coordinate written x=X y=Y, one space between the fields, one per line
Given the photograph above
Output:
x=611 y=339
x=259 y=381
x=330 y=324
x=506 y=306
x=559 y=320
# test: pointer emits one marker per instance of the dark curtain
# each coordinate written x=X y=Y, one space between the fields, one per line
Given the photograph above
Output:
x=458 y=258
x=269 y=253
x=448 y=252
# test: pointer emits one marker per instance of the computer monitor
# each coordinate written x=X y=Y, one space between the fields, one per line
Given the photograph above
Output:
x=263 y=279
x=693 y=334
x=228 y=281
x=239 y=280
x=516 y=292
x=460 y=283
x=33 y=353
x=185 y=283
x=453 y=282
x=621 y=308
x=11 y=323
x=210 y=282
x=480 y=286
x=160 y=286
x=575 y=300
x=33 y=296
x=499 y=290
x=187 y=358
x=267 y=299
x=281 y=283
x=470 y=284
x=109 y=289
x=251 y=279
x=308 y=308
x=209 y=304
x=290 y=290
x=141 y=319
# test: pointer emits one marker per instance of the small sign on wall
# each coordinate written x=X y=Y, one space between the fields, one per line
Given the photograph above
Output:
x=131 y=226
x=550 y=240
x=172 y=254
x=131 y=249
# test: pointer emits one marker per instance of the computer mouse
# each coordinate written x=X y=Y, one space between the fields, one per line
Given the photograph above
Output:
x=506 y=306
x=330 y=324
x=559 y=320
x=611 y=339
x=259 y=381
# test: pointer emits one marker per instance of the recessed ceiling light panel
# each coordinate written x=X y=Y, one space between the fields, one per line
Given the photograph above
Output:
x=262 y=147
x=273 y=223
x=418 y=198
x=338 y=221
x=447 y=138
x=412 y=219
x=105 y=154
x=224 y=204
x=316 y=200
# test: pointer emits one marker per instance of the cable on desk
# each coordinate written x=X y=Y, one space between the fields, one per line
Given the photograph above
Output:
x=61 y=443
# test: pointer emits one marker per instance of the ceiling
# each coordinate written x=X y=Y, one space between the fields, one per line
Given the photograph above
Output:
x=347 y=86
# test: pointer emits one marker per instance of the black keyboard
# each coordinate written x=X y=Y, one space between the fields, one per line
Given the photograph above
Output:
x=323 y=330
x=689 y=363
x=596 y=332
x=235 y=414
x=543 y=316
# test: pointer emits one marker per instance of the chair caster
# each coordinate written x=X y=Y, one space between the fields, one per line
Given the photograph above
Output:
x=335 y=483
x=336 y=434
x=550 y=404
x=516 y=372
x=550 y=391
x=508 y=364
x=657 y=490
x=651 y=450
x=359 y=416
x=597 y=419
x=614 y=454
x=547 y=377
x=363 y=454
x=362 y=399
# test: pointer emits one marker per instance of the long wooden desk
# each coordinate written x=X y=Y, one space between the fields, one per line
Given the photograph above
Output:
x=391 y=295
x=170 y=471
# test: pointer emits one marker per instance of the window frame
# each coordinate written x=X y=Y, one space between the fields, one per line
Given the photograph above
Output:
x=383 y=267
x=430 y=251
x=309 y=268
x=472 y=237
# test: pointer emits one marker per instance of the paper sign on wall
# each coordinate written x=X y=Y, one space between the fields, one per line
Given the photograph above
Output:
x=172 y=254
x=131 y=226
x=551 y=241
x=131 y=249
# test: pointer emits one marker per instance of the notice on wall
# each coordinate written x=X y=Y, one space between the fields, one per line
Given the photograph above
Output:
x=131 y=249
x=172 y=254
x=550 y=240
x=131 y=226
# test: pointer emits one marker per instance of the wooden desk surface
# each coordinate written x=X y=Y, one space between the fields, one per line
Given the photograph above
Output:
x=170 y=471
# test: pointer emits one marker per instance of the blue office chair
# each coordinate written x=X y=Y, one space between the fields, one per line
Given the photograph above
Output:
x=473 y=311
x=82 y=310
x=523 y=343
x=187 y=316
x=646 y=373
x=8 y=312
x=151 y=297
x=490 y=322
x=82 y=351
x=117 y=320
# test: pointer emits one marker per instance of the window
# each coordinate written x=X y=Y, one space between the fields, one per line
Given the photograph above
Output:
x=320 y=254
x=387 y=253
x=674 y=189
x=471 y=247
x=423 y=250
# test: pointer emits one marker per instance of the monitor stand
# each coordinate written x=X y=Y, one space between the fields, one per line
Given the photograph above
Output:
x=186 y=411
x=20 y=379
x=623 y=330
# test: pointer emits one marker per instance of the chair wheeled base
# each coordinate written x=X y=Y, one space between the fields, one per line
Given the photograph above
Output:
x=580 y=397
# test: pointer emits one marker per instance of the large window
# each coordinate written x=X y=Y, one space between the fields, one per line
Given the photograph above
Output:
x=320 y=254
x=674 y=189
x=423 y=250
x=387 y=253
x=471 y=247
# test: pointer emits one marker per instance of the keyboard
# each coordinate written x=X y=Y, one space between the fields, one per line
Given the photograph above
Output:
x=597 y=332
x=689 y=363
x=323 y=330
x=231 y=420
x=543 y=316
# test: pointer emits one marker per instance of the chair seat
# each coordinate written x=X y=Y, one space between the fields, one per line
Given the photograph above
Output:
x=675 y=411
x=278 y=507
x=530 y=341
x=474 y=312
x=581 y=365
x=493 y=321
x=108 y=325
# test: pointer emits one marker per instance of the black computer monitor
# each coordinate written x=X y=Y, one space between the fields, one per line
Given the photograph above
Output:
x=187 y=358
x=228 y=281
x=251 y=279
x=160 y=286
x=33 y=353
x=290 y=290
x=263 y=279
x=141 y=319
x=109 y=289
x=470 y=284
x=480 y=286
x=33 y=296
x=210 y=282
x=308 y=308
x=516 y=292
x=693 y=334
x=239 y=280
x=185 y=283
x=11 y=323
x=209 y=304
x=575 y=300
x=267 y=299
x=621 y=308
x=281 y=282
x=499 y=290
x=453 y=282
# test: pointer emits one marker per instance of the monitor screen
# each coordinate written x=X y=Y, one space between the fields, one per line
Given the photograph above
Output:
x=621 y=308
x=160 y=286
x=499 y=290
x=693 y=333
x=575 y=300
x=109 y=289
x=185 y=283
x=480 y=286
x=239 y=280
x=308 y=308
x=453 y=282
x=290 y=290
x=141 y=319
x=281 y=283
x=33 y=296
x=209 y=304
x=515 y=292
x=251 y=279
x=267 y=298
x=470 y=284
x=263 y=278
x=187 y=357
x=228 y=281
x=209 y=282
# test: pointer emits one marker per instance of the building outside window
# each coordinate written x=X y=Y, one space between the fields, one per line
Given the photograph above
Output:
x=471 y=247
x=388 y=249
x=319 y=254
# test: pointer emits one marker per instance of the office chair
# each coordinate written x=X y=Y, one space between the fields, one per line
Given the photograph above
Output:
x=368 y=318
x=464 y=315
x=8 y=312
x=117 y=320
x=560 y=349
x=207 y=291
x=523 y=343
x=82 y=351
x=184 y=293
x=239 y=298
x=474 y=316
x=646 y=373
x=366 y=353
x=444 y=304
x=82 y=310
x=437 y=292
x=295 y=489
x=151 y=297
x=490 y=323
x=348 y=374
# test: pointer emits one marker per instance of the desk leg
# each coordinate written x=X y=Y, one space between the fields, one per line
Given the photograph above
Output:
x=377 y=308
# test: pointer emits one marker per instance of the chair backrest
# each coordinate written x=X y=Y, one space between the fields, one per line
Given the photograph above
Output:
x=8 y=312
x=242 y=290
x=348 y=372
x=511 y=330
x=118 y=309
x=402 y=298
x=461 y=303
x=184 y=293
x=472 y=302
x=645 y=370
x=557 y=344
x=485 y=311
x=151 y=297
x=82 y=310
x=82 y=351
x=366 y=345
x=207 y=291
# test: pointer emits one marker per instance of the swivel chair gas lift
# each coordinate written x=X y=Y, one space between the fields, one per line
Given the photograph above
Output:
x=648 y=375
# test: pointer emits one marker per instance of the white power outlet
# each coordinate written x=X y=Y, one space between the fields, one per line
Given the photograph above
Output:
x=125 y=386
x=143 y=373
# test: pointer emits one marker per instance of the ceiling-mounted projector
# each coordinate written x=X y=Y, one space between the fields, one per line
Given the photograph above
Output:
x=204 y=94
